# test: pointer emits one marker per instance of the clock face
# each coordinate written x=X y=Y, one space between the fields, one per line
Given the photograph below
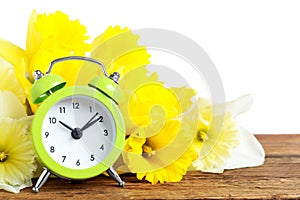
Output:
x=78 y=132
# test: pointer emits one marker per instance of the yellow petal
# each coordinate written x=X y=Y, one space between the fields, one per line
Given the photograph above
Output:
x=53 y=36
x=18 y=59
x=118 y=50
x=108 y=34
x=136 y=118
x=154 y=168
x=136 y=144
x=68 y=34
x=172 y=173
x=33 y=40
x=44 y=56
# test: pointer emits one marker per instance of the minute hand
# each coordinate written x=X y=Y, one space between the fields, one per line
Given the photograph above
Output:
x=90 y=122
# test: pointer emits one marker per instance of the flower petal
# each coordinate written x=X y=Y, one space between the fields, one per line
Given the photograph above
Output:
x=15 y=189
x=10 y=106
x=215 y=150
x=232 y=147
x=118 y=50
x=33 y=40
x=17 y=59
x=9 y=81
x=18 y=167
x=53 y=36
x=239 y=105
x=249 y=153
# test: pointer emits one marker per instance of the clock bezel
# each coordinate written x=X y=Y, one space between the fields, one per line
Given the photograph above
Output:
x=37 y=134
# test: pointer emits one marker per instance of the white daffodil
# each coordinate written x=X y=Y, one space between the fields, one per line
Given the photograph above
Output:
x=10 y=106
x=225 y=145
x=9 y=81
x=17 y=160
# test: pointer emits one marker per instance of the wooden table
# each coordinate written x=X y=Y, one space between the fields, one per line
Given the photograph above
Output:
x=278 y=178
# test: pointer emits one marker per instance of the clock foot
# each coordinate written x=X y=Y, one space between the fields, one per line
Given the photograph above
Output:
x=113 y=174
x=42 y=179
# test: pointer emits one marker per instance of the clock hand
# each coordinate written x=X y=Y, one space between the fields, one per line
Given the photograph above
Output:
x=65 y=125
x=76 y=133
x=90 y=122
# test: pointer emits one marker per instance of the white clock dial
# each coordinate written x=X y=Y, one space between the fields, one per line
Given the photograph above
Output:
x=96 y=141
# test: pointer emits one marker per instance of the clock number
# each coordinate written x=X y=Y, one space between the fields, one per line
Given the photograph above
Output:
x=78 y=163
x=62 y=109
x=52 y=120
x=102 y=147
x=52 y=149
x=75 y=105
x=64 y=158
x=92 y=158
x=101 y=119
x=105 y=132
x=46 y=134
x=91 y=109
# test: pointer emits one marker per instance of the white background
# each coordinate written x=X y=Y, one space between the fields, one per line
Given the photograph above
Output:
x=255 y=45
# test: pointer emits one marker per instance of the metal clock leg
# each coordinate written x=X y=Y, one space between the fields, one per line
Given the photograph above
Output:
x=42 y=179
x=113 y=174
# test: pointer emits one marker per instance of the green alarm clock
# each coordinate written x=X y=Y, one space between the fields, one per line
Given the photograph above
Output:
x=78 y=132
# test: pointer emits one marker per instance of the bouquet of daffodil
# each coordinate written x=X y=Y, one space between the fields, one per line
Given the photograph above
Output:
x=168 y=129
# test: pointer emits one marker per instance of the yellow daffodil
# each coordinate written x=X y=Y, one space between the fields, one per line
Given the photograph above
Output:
x=118 y=50
x=121 y=58
x=55 y=35
x=57 y=28
x=150 y=163
x=158 y=147
x=49 y=37
x=147 y=104
x=17 y=161
x=214 y=144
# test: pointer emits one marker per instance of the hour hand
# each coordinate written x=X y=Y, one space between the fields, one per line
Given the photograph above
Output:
x=65 y=125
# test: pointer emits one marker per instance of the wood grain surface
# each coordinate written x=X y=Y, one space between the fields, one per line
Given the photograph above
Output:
x=278 y=178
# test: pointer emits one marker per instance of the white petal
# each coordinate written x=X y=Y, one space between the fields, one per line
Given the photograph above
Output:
x=239 y=105
x=15 y=189
x=249 y=153
x=9 y=81
x=10 y=105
